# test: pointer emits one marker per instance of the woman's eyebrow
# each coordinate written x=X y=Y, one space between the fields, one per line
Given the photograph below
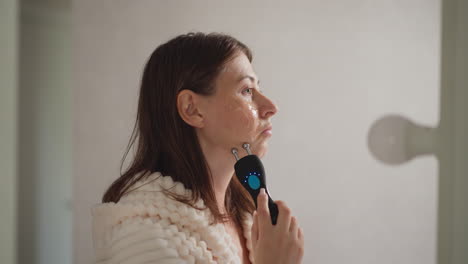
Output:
x=249 y=77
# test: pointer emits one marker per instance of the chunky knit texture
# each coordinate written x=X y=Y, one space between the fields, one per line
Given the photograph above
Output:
x=146 y=226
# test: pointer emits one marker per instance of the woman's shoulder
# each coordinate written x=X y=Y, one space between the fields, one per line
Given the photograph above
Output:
x=145 y=199
x=154 y=182
x=145 y=217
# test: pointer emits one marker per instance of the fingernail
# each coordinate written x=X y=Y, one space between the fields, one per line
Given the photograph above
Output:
x=262 y=191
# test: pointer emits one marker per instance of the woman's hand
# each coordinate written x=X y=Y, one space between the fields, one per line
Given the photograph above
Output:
x=276 y=244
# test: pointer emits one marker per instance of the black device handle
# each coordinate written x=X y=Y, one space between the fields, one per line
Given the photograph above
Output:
x=273 y=210
x=251 y=174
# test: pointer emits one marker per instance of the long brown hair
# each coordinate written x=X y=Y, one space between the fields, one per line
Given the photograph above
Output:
x=166 y=143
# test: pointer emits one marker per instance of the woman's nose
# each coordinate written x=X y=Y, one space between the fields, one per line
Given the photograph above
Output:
x=268 y=108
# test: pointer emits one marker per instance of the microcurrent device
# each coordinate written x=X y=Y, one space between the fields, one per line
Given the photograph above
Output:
x=250 y=172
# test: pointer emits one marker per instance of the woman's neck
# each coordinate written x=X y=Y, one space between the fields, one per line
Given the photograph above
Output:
x=221 y=165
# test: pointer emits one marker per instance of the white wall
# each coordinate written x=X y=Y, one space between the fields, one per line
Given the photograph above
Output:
x=333 y=67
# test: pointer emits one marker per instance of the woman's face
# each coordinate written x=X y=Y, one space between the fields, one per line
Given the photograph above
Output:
x=238 y=112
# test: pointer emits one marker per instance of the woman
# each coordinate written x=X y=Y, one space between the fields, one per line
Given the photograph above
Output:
x=179 y=200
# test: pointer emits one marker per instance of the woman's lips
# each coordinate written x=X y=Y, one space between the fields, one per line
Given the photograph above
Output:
x=268 y=131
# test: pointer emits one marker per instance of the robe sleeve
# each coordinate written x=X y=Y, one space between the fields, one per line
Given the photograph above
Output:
x=139 y=240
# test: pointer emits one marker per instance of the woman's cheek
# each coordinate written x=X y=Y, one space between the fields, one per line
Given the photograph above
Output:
x=241 y=120
x=250 y=123
x=239 y=125
x=249 y=116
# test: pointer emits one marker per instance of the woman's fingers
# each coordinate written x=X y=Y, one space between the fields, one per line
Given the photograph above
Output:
x=263 y=212
x=301 y=235
x=284 y=215
x=282 y=243
x=293 y=227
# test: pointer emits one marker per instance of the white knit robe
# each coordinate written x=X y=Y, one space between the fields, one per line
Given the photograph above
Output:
x=146 y=226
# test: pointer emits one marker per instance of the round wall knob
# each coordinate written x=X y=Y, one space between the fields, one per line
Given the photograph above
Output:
x=394 y=139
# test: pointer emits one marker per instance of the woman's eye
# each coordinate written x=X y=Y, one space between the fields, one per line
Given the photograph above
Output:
x=249 y=90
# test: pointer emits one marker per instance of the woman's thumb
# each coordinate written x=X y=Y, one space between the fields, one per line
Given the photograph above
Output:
x=255 y=229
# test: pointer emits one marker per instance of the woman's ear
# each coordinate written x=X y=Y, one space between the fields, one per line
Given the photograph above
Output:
x=188 y=108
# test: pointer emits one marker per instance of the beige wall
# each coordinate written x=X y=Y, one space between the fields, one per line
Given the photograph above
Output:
x=460 y=202
x=8 y=129
x=333 y=67
x=453 y=139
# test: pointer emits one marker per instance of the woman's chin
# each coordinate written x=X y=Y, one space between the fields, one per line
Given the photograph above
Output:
x=262 y=150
